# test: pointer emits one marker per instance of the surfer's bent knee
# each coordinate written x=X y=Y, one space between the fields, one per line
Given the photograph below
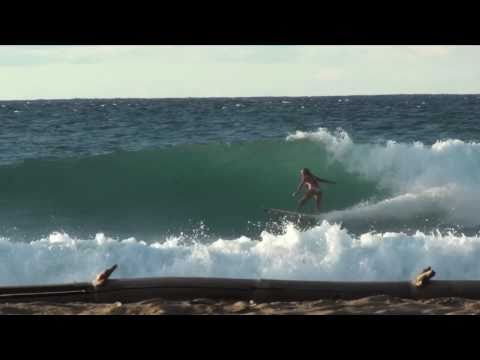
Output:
x=313 y=193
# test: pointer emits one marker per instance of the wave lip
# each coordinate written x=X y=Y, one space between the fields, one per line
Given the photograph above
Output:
x=441 y=178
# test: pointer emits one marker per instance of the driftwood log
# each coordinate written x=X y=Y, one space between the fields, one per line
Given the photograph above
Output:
x=105 y=290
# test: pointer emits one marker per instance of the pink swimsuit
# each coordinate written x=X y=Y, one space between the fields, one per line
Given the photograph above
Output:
x=312 y=183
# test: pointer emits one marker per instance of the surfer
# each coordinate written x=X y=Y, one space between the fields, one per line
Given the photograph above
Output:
x=313 y=190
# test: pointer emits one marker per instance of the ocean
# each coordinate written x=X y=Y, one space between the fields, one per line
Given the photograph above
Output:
x=178 y=187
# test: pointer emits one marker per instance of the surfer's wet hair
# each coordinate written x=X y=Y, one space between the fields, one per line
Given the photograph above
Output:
x=307 y=171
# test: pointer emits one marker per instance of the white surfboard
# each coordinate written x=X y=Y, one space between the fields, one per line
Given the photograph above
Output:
x=292 y=213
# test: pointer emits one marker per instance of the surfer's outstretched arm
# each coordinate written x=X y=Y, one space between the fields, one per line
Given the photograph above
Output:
x=325 y=181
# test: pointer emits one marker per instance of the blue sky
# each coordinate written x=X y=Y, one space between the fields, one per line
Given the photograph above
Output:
x=63 y=72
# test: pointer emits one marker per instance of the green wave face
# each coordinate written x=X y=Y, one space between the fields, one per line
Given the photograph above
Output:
x=148 y=194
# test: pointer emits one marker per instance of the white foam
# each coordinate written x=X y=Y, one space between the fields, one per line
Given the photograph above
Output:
x=401 y=207
x=325 y=252
x=443 y=177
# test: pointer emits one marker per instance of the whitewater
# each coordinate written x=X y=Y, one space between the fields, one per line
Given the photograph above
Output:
x=398 y=207
x=324 y=252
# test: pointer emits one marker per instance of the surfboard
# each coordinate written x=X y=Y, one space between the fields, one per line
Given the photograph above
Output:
x=292 y=213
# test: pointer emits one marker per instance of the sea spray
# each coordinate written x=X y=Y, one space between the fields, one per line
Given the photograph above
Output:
x=325 y=252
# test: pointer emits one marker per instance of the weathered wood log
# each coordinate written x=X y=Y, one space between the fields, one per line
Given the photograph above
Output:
x=174 y=288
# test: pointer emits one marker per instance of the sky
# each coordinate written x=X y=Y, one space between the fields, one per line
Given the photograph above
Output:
x=65 y=72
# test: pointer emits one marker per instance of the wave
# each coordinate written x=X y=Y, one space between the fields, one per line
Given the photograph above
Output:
x=324 y=252
x=384 y=186
x=147 y=193
x=436 y=183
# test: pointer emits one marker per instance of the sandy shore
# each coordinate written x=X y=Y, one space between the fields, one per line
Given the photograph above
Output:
x=375 y=305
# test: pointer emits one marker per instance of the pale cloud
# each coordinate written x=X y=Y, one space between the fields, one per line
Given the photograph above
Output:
x=329 y=74
x=431 y=50
x=93 y=54
x=40 y=55
x=182 y=71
